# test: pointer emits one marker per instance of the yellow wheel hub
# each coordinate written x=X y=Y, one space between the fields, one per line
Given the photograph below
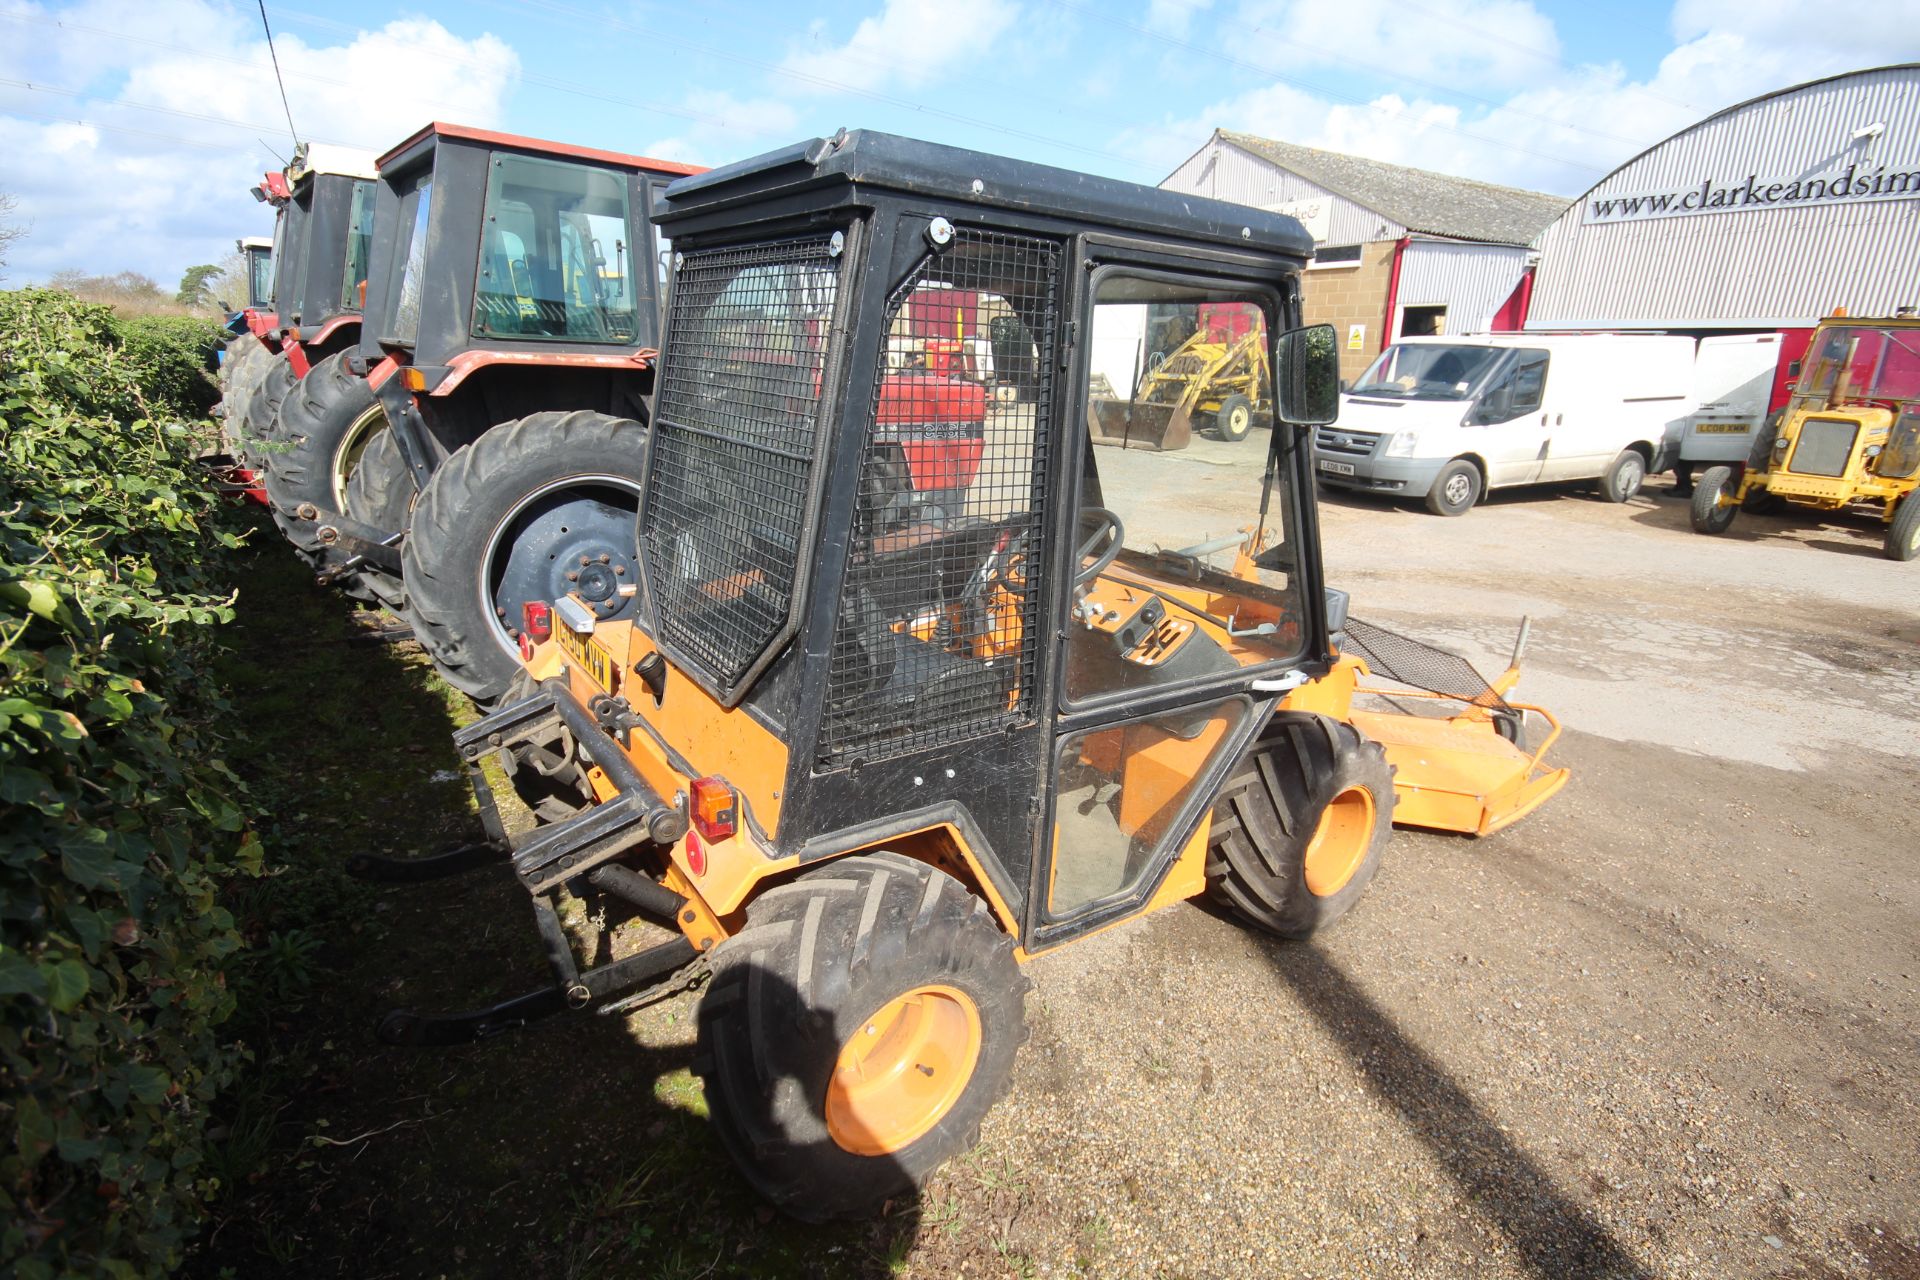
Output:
x=1340 y=841
x=902 y=1070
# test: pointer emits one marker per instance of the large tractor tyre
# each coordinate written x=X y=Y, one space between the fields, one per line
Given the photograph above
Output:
x=326 y=423
x=239 y=350
x=380 y=493
x=1712 y=510
x=531 y=510
x=856 y=1033
x=237 y=394
x=1903 y=534
x=269 y=392
x=1234 y=419
x=1455 y=489
x=1299 y=827
x=1624 y=476
x=1760 y=456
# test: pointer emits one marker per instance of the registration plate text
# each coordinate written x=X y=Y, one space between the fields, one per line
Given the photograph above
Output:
x=1337 y=468
x=1720 y=428
x=595 y=661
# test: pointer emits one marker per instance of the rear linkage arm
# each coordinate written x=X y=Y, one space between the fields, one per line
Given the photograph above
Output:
x=546 y=858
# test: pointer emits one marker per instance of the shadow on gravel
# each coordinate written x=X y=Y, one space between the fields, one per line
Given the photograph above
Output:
x=577 y=1150
x=1555 y=1236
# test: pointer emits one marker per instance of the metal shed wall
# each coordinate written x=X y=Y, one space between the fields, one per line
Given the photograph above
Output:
x=1225 y=172
x=1781 y=264
x=1470 y=280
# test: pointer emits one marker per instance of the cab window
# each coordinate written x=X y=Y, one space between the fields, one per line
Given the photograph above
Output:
x=556 y=263
x=1182 y=567
x=1520 y=391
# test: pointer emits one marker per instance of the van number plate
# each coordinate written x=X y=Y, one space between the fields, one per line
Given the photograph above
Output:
x=1337 y=468
x=595 y=661
x=1720 y=428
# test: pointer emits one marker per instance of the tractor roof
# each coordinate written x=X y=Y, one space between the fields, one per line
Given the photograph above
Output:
x=253 y=242
x=322 y=157
x=885 y=162
x=536 y=146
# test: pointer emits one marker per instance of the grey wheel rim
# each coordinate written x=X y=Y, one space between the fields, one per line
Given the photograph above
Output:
x=1457 y=489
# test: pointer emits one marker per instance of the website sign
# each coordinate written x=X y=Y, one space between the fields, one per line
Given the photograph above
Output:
x=1855 y=184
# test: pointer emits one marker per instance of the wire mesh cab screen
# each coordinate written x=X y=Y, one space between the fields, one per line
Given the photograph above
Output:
x=734 y=438
x=939 y=628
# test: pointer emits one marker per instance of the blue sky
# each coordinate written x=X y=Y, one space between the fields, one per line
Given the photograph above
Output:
x=129 y=129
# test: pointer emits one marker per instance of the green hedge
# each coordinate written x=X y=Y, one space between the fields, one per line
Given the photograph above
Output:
x=172 y=360
x=118 y=821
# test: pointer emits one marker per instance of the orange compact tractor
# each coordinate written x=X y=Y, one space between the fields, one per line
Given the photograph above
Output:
x=859 y=752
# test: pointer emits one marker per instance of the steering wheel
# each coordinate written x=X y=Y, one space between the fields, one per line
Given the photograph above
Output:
x=1101 y=539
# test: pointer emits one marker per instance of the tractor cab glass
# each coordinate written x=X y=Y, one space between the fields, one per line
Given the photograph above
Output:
x=259 y=276
x=1169 y=541
x=1855 y=364
x=403 y=308
x=556 y=259
x=359 y=244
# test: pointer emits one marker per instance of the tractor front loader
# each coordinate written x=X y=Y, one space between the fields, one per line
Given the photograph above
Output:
x=1217 y=375
x=859 y=754
x=1848 y=438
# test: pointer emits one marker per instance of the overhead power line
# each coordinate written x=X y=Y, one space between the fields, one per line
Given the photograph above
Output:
x=274 y=54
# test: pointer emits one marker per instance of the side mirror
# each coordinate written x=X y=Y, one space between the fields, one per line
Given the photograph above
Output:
x=1306 y=376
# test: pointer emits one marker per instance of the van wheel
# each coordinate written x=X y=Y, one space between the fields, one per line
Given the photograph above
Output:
x=1455 y=489
x=1903 y=535
x=1713 y=510
x=1625 y=474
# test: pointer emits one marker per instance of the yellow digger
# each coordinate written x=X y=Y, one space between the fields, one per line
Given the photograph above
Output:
x=1849 y=437
x=1218 y=376
x=856 y=758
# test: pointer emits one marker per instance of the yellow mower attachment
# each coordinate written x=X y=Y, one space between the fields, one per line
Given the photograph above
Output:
x=1469 y=771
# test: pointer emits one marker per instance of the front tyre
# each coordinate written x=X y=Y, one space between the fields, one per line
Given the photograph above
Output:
x=380 y=493
x=856 y=1033
x=1455 y=489
x=269 y=392
x=532 y=510
x=1234 y=419
x=1713 y=506
x=1903 y=534
x=1299 y=826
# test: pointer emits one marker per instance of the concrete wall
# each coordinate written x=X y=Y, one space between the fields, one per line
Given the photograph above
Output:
x=1347 y=296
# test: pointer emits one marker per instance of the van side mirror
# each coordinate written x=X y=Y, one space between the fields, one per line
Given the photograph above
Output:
x=1306 y=376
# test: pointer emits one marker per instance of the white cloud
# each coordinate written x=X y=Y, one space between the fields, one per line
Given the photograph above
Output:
x=1557 y=132
x=908 y=44
x=726 y=128
x=1472 y=43
x=1175 y=17
x=181 y=107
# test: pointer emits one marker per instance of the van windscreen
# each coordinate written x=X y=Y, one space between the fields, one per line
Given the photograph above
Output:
x=1429 y=371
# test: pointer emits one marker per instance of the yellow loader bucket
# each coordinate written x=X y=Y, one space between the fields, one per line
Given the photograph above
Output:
x=1135 y=424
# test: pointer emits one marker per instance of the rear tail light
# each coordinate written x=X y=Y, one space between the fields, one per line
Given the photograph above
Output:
x=536 y=621
x=715 y=810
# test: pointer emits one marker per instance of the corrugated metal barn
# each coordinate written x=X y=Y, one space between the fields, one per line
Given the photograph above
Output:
x=1766 y=215
x=1398 y=251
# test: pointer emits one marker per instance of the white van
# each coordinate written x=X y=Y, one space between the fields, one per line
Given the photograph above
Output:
x=1446 y=419
x=1732 y=385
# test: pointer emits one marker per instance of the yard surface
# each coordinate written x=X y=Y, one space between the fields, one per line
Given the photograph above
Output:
x=1667 y=1026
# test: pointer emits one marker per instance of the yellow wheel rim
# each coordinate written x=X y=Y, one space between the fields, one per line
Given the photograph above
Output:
x=347 y=456
x=1340 y=841
x=902 y=1070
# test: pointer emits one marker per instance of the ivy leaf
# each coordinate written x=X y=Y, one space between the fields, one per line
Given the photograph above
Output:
x=66 y=983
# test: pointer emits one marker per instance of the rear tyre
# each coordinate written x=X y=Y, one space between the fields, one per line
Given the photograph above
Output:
x=1299 y=827
x=237 y=394
x=1711 y=512
x=1903 y=534
x=1234 y=419
x=1624 y=476
x=504 y=521
x=380 y=493
x=276 y=381
x=856 y=1033
x=326 y=423
x=1455 y=489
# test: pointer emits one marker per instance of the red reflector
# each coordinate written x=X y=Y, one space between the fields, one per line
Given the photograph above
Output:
x=714 y=808
x=526 y=648
x=536 y=619
x=696 y=855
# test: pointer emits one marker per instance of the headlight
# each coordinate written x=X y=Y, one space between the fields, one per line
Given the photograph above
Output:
x=1402 y=444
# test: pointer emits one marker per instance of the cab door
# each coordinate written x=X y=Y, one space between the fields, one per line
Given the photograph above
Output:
x=1517 y=431
x=1179 y=589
